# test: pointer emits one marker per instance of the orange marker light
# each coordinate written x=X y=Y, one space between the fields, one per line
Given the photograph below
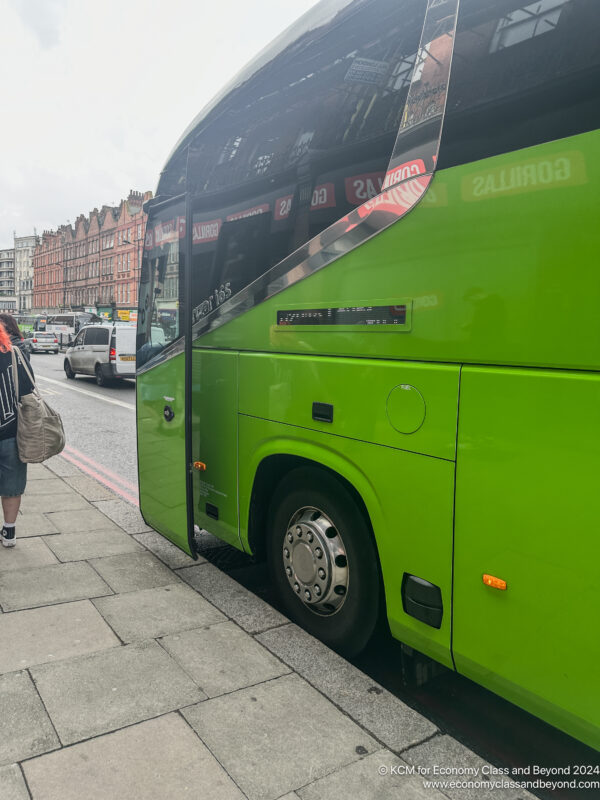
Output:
x=200 y=466
x=495 y=583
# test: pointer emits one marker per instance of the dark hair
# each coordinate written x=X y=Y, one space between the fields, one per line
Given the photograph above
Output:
x=10 y=325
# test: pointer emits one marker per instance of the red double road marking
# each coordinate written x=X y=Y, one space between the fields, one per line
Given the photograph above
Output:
x=121 y=486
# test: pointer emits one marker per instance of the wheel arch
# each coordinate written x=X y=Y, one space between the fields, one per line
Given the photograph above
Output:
x=272 y=467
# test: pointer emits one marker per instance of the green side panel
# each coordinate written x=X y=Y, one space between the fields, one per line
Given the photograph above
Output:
x=410 y=406
x=214 y=441
x=413 y=534
x=161 y=450
x=499 y=259
x=527 y=511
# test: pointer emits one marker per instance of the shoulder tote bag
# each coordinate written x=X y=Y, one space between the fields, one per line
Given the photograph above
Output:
x=40 y=432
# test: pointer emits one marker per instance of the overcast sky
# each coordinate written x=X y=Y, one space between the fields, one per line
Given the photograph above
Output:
x=95 y=93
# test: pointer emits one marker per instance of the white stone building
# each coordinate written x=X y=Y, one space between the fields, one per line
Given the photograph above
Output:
x=24 y=249
x=8 y=298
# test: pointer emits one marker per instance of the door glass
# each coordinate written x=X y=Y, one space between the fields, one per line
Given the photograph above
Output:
x=160 y=314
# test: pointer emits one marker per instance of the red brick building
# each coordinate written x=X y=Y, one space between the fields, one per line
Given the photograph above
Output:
x=93 y=263
x=48 y=272
x=129 y=240
x=108 y=222
x=91 y=287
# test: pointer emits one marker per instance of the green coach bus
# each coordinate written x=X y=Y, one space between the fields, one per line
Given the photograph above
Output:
x=28 y=323
x=369 y=335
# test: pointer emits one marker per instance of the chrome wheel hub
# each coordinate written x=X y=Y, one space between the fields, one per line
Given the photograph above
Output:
x=315 y=561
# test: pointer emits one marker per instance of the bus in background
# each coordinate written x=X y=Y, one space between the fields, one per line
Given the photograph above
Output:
x=28 y=323
x=67 y=325
x=367 y=344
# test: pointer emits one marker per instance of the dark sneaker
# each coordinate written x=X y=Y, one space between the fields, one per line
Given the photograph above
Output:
x=9 y=538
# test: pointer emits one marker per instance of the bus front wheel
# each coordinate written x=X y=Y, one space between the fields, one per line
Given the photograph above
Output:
x=322 y=559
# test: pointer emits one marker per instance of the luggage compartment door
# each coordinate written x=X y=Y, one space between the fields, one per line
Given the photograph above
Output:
x=527 y=512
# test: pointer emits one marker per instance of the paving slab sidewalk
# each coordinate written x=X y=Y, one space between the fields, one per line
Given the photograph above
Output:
x=128 y=669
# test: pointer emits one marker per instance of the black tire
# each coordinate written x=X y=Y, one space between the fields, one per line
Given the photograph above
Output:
x=100 y=379
x=349 y=627
x=68 y=369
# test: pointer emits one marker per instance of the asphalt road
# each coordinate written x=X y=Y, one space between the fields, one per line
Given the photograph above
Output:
x=99 y=423
x=100 y=427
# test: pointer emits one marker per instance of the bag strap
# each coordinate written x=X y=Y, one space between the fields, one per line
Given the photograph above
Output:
x=16 y=356
x=15 y=370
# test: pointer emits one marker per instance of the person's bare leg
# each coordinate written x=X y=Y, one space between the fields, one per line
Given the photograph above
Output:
x=10 y=507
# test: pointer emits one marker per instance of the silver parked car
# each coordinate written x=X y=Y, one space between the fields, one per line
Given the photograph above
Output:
x=106 y=350
x=41 y=342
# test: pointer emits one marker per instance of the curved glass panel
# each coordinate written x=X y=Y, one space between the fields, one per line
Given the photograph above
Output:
x=321 y=145
x=302 y=143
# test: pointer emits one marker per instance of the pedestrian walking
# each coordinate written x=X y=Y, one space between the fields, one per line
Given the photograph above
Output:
x=13 y=472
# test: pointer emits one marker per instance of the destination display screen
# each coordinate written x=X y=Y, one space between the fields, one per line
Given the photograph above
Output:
x=350 y=315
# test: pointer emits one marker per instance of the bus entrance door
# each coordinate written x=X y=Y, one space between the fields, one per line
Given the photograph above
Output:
x=161 y=396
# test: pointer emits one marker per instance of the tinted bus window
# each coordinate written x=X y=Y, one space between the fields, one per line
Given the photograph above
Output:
x=522 y=73
x=306 y=139
x=62 y=319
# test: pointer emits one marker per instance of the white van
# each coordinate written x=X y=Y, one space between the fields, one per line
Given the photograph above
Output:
x=106 y=350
